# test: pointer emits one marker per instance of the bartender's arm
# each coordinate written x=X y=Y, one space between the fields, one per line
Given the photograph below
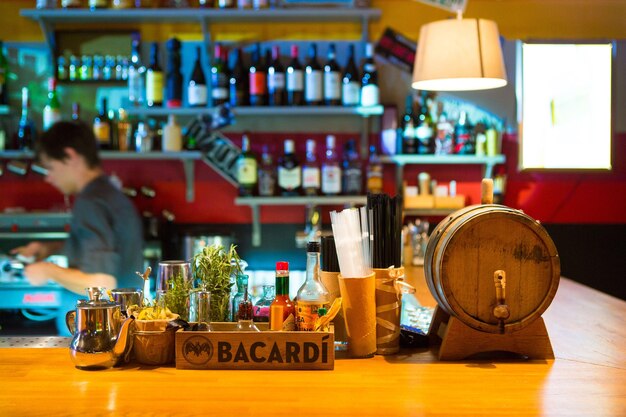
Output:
x=70 y=278
x=38 y=250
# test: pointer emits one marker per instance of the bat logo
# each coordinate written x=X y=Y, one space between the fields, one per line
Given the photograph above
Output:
x=198 y=350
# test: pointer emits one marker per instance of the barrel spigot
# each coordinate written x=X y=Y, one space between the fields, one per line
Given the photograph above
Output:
x=501 y=311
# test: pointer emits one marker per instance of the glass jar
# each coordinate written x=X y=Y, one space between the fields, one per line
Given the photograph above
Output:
x=261 y=310
x=242 y=290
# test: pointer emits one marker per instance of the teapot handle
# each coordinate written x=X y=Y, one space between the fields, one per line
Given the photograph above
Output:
x=70 y=321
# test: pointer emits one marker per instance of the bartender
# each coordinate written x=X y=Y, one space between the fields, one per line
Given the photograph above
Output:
x=104 y=247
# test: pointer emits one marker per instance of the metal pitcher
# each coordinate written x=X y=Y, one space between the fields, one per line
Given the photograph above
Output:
x=101 y=335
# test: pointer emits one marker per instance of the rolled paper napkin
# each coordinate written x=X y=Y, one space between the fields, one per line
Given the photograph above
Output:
x=388 y=309
x=331 y=282
x=359 y=310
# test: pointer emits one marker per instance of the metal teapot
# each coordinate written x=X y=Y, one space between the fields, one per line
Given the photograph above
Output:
x=101 y=335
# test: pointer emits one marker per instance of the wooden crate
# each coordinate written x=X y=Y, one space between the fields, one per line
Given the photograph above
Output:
x=226 y=348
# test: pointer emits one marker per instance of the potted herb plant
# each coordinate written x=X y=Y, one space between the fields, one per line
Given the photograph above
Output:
x=212 y=269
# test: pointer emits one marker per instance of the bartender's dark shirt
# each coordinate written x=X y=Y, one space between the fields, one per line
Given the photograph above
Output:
x=106 y=234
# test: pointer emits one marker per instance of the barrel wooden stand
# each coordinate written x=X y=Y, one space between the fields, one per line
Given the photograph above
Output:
x=459 y=341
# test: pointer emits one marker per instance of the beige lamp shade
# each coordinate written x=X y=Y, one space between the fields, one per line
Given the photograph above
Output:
x=459 y=55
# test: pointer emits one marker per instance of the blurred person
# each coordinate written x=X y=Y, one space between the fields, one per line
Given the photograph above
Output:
x=105 y=243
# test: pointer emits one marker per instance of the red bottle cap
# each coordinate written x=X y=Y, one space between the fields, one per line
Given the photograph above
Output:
x=282 y=266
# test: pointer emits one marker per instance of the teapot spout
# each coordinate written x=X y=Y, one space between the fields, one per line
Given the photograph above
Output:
x=123 y=342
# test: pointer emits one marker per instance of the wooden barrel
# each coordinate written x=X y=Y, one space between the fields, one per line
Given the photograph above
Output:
x=469 y=245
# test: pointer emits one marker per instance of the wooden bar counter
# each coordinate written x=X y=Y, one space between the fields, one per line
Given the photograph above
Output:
x=587 y=378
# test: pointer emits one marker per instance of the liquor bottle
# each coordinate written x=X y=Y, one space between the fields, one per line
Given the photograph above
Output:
x=424 y=129
x=136 y=75
x=331 y=169
x=246 y=168
x=332 y=79
x=257 y=79
x=52 y=110
x=196 y=89
x=311 y=180
x=26 y=132
x=370 y=95
x=267 y=174
x=172 y=136
x=219 y=76
x=351 y=82
x=75 y=111
x=312 y=295
x=295 y=79
x=276 y=79
x=102 y=127
x=407 y=126
x=124 y=130
x=313 y=79
x=289 y=174
x=244 y=4
x=463 y=140
x=444 y=138
x=98 y=4
x=238 y=81
x=282 y=310
x=174 y=78
x=261 y=310
x=154 y=78
x=4 y=72
x=352 y=176
x=225 y=4
x=71 y=4
x=374 y=172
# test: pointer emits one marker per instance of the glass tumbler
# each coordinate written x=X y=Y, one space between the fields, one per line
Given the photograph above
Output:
x=200 y=306
x=169 y=271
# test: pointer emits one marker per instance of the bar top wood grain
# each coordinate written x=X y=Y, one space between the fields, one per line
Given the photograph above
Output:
x=587 y=378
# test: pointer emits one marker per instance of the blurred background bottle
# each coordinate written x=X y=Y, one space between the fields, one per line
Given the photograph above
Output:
x=289 y=173
x=52 y=110
x=311 y=180
x=154 y=78
x=351 y=83
x=331 y=169
x=219 y=76
x=26 y=132
x=313 y=79
x=332 y=79
x=267 y=174
x=352 y=174
x=295 y=79
x=370 y=94
x=197 y=95
x=246 y=168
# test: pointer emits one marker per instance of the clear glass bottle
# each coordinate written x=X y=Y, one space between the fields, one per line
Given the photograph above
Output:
x=311 y=180
x=331 y=169
x=261 y=310
x=312 y=295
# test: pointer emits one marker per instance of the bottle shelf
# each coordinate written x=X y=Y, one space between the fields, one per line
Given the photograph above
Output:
x=256 y=202
x=186 y=157
x=260 y=111
x=443 y=159
x=109 y=16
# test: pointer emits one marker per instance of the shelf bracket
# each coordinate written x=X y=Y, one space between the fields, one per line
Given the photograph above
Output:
x=256 y=226
x=188 y=168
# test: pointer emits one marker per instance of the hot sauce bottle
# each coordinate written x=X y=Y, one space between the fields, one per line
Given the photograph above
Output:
x=282 y=309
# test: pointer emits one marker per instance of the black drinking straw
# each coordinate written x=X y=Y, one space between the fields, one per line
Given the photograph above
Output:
x=330 y=262
x=387 y=226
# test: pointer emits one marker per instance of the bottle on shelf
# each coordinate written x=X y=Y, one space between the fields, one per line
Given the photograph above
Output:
x=312 y=295
x=246 y=168
x=172 y=135
x=102 y=127
x=124 y=130
x=85 y=72
x=26 y=132
x=219 y=76
x=407 y=127
x=62 y=69
x=260 y=4
x=444 y=138
x=154 y=79
x=74 y=68
x=261 y=310
x=136 y=74
x=98 y=67
x=257 y=79
x=463 y=139
x=424 y=128
x=196 y=88
x=370 y=94
x=4 y=72
x=352 y=175
x=75 y=111
x=311 y=178
x=351 y=82
x=332 y=79
x=71 y=4
x=238 y=82
x=289 y=173
x=225 y=4
x=98 y=4
x=374 y=172
x=52 y=110
x=174 y=78
x=313 y=79
x=276 y=79
x=267 y=174
x=282 y=309
x=244 y=4
x=295 y=79
x=331 y=169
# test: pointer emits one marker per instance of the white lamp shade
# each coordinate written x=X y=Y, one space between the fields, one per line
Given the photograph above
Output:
x=459 y=55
